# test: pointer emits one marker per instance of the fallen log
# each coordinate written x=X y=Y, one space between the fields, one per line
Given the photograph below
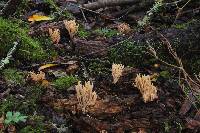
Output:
x=106 y=3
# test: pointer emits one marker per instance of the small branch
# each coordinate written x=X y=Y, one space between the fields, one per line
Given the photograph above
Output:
x=181 y=9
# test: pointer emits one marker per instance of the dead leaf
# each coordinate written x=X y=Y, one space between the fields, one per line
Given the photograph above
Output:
x=197 y=115
x=187 y=104
x=192 y=124
x=45 y=66
x=37 y=17
x=72 y=68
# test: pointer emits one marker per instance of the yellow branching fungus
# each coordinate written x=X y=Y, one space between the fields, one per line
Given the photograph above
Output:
x=71 y=26
x=147 y=89
x=85 y=96
x=117 y=70
x=55 y=35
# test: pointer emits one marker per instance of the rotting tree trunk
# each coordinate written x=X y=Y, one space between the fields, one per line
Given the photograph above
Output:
x=105 y=3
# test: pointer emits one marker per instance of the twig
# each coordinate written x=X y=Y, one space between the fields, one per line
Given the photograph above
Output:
x=190 y=82
x=181 y=9
x=186 y=77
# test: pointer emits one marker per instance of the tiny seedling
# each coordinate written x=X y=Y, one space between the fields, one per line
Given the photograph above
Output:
x=14 y=117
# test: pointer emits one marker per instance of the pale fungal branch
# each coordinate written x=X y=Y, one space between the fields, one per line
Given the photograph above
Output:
x=55 y=35
x=117 y=70
x=71 y=26
x=85 y=96
x=147 y=89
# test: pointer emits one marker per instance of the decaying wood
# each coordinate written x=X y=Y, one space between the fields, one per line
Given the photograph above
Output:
x=89 y=124
x=84 y=47
x=10 y=8
x=106 y=3
x=187 y=104
x=43 y=28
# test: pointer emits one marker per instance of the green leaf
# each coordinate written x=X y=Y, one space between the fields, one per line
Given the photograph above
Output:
x=16 y=117
x=165 y=74
x=17 y=114
x=23 y=118
x=7 y=121
x=9 y=115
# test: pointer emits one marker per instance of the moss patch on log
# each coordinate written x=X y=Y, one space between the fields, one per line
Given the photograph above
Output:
x=28 y=50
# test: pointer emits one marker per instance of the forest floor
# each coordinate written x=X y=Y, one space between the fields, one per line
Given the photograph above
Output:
x=48 y=46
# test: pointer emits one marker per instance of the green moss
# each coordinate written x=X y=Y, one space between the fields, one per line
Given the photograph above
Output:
x=26 y=104
x=14 y=77
x=106 y=32
x=37 y=126
x=99 y=68
x=28 y=50
x=180 y=26
x=128 y=53
x=83 y=33
x=183 y=26
x=64 y=82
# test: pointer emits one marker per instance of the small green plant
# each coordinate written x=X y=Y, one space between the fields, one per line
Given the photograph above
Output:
x=14 y=117
x=106 y=32
x=167 y=126
x=99 y=68
x=14 y=77
x=29 y=49
x=83 y=33
x=64 y=82
x=156 y=7
x=26 y=105
x=133 y=52
x=37 y=126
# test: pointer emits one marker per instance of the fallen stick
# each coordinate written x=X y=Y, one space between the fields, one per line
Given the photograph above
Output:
x=106 y=3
